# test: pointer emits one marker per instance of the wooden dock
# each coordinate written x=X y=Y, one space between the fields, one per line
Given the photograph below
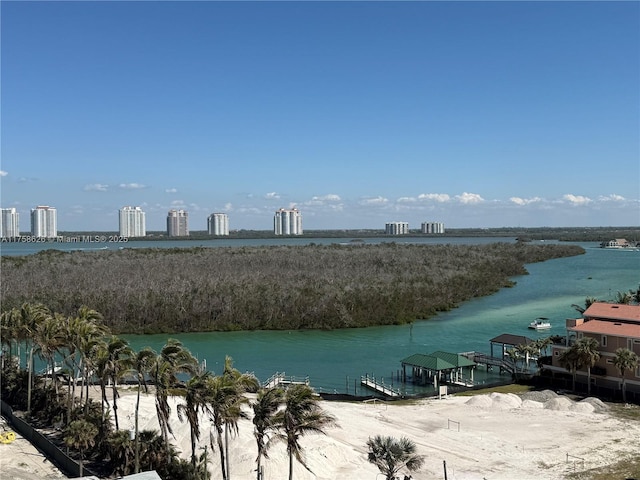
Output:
x=279 y=379
x=380 y=387
x=504 y=364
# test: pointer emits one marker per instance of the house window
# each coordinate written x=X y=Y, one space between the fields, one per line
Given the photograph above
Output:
x=604 y=341
x=609 y=360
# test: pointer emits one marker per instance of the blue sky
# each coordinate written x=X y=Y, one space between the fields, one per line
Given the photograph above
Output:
x=475 y=114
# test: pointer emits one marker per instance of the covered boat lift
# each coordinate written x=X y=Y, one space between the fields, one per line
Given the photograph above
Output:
x=438 y=367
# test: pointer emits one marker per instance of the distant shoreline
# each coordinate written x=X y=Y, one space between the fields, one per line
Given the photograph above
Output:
x=573 y=234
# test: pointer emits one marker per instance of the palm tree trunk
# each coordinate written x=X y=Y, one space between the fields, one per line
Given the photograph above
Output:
x=290 y=464
x=30 y=366
x=226 y=449
x=588 y=380
x=115 y=404
x=137 y=440
x=222 y=459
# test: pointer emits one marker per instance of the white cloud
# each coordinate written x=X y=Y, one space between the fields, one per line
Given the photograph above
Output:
x=331 y=197
x=3 y=173
x=406 y=200
x=437 y=197
x=272 y=196
x=576 y=199
x=131 y=186
x=96 y=187
x=374 y=201
x=611 y=198
x=177 y=203
x=524 y=201
x=469 y=198
x=171 y=190
x=228 y=207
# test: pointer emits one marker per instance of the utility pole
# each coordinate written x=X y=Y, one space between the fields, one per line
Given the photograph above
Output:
x=444 y=463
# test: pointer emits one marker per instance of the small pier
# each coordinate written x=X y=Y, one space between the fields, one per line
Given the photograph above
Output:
x=505 y=364
x=279 y=379
x=380 y=387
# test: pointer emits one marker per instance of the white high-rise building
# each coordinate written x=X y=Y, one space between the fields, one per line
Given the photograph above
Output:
x=44 y=222
x=177 y=223
x=287 y=222
x=10 y=223
x=218 y=224
x=132 y=222
x=396 y=228
x=432 y=227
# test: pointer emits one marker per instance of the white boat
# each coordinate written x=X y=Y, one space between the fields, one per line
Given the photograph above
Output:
x=541 y=323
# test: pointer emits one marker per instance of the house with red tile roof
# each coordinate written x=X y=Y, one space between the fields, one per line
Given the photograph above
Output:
x=613 y=326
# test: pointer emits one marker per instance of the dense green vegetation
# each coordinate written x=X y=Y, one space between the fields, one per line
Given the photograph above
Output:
x=283 y=287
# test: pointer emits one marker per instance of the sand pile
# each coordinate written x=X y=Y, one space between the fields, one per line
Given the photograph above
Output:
x=545 y=399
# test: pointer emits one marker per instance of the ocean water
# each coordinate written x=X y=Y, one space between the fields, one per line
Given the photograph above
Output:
x=335 y=360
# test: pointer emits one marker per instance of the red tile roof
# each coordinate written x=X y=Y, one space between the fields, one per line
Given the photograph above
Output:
x=604 y=327
x=613 y=311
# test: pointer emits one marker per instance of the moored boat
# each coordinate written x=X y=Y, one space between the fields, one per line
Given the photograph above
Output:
x=541 y=323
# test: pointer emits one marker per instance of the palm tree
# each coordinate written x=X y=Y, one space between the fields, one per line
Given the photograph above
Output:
x=525 y=351
x=84 y=332
x=513 y=355
x=196 y=392
x=542 y=344
x=624 y=298
x=571 y=360
x=142 y=363
x=241 y=383
x=31 y=319
x=625 y=360
x=587 y=303
x=50 y=338
x=220 y=397
x=173 y=359
x=391 y=455
x=81 y=435
x=587 y=351
x=9 y=331
x=119 y=360
x=302 y=414
x=264 y=409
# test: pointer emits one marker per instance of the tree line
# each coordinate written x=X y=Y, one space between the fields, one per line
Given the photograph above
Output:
x=278 y=287
x=89 y=354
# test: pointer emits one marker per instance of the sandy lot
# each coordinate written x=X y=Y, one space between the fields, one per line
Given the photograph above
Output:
x=497 y=436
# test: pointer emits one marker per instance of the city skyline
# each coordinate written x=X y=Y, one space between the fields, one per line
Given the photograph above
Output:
x=473 y=114
x=132 y=223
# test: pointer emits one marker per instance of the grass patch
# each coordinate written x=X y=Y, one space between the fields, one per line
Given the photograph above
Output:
x=626 y=468
x=625 y=412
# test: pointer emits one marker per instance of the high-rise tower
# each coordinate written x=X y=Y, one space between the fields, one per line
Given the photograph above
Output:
x=44 y=222
x=218 y=224
x=287 y=222
x=177 y=223
x=10 y=223
x=132 y=222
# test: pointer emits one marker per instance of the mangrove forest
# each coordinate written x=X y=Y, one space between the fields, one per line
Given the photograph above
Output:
x=270 y=287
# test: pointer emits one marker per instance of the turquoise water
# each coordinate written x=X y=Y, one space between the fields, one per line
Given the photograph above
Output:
x=334 y=359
